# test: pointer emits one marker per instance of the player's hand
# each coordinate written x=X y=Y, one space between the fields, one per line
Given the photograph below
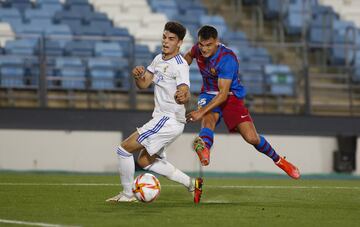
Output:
x=138 y=72
x=194 y=116
x=180 y=97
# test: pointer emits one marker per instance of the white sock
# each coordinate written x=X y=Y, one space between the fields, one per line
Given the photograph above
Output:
x=126 y=170
x=166 y=169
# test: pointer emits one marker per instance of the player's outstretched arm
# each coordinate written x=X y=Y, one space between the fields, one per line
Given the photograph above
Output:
x=182 y=95
x=224 y=88
x=143 y=78
x=188 y=57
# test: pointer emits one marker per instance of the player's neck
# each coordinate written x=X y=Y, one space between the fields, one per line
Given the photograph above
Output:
x=169 y=56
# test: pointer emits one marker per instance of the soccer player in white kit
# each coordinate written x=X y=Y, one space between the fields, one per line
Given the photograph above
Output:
x=169 y=72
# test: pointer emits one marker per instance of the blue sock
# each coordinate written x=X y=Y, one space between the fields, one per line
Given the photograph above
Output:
x=265 y=148
x=207 y=135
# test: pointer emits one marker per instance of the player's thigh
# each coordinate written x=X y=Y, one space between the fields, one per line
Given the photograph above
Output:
x=155 y=136
x=210 y=120
x=131 y=144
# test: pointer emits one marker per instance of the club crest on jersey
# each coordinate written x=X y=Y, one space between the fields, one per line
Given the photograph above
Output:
x=213 y=71
x=165 y=68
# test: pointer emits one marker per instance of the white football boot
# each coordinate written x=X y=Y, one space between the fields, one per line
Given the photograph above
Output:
x=122 y=198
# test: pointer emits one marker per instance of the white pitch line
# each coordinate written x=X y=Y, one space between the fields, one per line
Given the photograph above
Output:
x=33 y=223
x=207 y=186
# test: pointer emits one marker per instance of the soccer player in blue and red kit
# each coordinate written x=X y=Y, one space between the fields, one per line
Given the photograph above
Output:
x=222 y=96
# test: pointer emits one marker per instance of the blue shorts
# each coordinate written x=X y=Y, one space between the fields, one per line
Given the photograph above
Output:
x=204 y=99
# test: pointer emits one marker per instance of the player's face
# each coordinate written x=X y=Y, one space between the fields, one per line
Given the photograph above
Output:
x=208 y=47
x=170 y=43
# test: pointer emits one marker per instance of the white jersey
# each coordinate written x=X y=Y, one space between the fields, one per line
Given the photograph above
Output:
x=168 y=74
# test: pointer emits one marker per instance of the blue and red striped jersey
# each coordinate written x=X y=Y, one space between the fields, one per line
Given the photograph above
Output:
x=223 y=64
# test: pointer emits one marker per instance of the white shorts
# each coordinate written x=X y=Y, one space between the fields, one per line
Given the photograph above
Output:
x=158 y=133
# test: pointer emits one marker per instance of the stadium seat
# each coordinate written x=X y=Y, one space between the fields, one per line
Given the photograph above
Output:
x=49 y=5
x=11 y=71
x=79 y=48
x=252 y=77
x=102 y=73
x=31 y=14
x=280 y=79
x=108 y=49
x=52 y=48
x=21 y=5
x=71 y=71
x=22 y=47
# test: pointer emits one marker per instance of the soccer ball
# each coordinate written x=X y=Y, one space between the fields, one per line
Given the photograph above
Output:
x=146 y=187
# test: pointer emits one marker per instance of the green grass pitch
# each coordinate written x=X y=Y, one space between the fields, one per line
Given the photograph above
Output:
x=79 y=200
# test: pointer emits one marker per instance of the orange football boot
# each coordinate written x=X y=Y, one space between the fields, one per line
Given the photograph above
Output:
x=202 y=151
x=288 y=168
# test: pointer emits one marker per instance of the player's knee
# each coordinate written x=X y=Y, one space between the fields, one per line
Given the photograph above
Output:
x=252 y=139
x=142 y=162
x=126 y=145
x=209 y=121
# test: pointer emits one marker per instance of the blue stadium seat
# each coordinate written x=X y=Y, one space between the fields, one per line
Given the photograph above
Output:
x=320 y=28
x=169 y=8
x=22 y=47
x=102 y=73
x=31 y=14
x=21 y=5
x=62 y=30
x=52 y=48
x=108 y=49
x=79 y=48
x=252 y=77
x=143 y=56
x=49 y=5
x=272 y=8
x=9 y=13
x=280 y=79
x=60 y=16
x=89 y=31
x=71 y=71
x=11 y=71
x=216 y=21
x=30 y=29
x=95 y=16
x=191 y=7
x=80 y=9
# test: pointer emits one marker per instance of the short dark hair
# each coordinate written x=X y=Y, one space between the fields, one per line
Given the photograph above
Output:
x=176 y=28
x=206 y=32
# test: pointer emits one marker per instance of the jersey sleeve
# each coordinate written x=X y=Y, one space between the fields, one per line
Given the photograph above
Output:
x=151 y=67
x=183 y=75
x=193 y=51
x=228 y=67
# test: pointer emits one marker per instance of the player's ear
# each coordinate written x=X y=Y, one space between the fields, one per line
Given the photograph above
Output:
x=180 y=43
x=217 y=41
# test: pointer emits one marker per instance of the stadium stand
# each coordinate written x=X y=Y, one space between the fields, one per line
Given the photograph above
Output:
x=273 y=40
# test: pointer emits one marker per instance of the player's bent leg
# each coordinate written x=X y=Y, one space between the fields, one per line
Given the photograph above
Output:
x=288 y=168
x=164 y=168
